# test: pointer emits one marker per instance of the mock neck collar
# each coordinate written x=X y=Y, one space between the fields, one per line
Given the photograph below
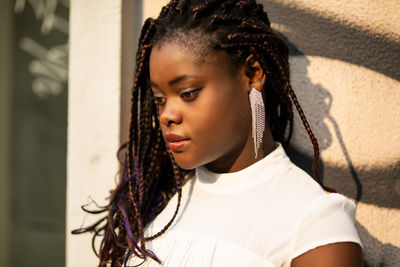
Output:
x=235 y=182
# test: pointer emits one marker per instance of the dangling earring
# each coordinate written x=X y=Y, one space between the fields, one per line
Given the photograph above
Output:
x=258 y=118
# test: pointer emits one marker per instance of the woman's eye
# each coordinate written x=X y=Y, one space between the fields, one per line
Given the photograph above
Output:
x=159 y=100
x=191 y=95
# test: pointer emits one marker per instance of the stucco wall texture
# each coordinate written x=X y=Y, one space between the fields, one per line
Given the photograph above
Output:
x=93 y=116
x=345 y=71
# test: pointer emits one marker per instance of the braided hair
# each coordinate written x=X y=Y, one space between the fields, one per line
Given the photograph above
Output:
x=150 y=176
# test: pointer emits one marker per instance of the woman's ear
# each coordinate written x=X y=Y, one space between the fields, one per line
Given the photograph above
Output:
x=255 y=74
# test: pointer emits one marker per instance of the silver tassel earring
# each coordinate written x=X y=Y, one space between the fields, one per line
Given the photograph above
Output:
x=258 y=118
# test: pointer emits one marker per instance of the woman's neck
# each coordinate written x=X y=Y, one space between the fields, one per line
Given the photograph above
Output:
x=244 y=156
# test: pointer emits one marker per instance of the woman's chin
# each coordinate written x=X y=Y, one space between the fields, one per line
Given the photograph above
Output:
x=185 y=162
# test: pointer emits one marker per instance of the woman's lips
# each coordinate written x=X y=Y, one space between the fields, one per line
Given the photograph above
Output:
x=178 y=146
x=176 y=142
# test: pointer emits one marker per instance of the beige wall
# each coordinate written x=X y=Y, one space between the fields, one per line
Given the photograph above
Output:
x=346 y=75
x=344 y=70
x=100 y=75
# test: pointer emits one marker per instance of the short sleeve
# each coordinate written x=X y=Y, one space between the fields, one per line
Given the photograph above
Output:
x=329 y=220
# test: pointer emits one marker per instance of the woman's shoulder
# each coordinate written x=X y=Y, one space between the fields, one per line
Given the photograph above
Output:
x=318 y=217
x=291 y=184
x=298 y=196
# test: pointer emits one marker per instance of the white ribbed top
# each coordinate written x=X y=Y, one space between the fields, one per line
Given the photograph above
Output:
x=264 y=215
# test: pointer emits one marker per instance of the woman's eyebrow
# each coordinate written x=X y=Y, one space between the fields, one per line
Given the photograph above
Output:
x=175 y=80
x=153 y=84
x=180 y=78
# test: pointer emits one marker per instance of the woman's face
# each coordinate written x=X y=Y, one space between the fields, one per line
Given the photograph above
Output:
x=204 y=111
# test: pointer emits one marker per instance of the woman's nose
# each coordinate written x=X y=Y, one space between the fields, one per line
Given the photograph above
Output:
x=170 y=114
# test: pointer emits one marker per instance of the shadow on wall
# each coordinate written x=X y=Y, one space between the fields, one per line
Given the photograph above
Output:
x=318 y=36
x=376 y=253
x=322 y=101
x=361 y=179
x=313 y=36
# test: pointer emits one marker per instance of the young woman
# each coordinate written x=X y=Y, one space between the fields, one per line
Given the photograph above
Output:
x=205 y=180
